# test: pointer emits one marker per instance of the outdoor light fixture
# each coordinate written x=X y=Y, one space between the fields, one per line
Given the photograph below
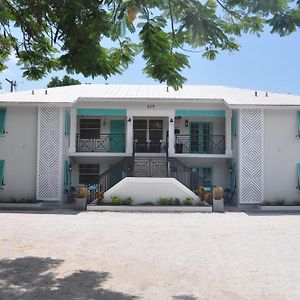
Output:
x=70 y=167
x=171 y=120
x=230 y=170
x=186 y=123
x=129 y=120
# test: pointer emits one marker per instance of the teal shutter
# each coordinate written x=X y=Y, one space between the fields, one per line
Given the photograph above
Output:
x=298 y=175
x=2 y=172
x=298 y=119
x=233 y=124
x=2 y=120
x=67 y=123
x=66 y=173
x=233 y=178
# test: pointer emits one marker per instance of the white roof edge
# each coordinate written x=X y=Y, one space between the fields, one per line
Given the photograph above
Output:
x=69 y=95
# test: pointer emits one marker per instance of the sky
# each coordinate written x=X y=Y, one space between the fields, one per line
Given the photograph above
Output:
x=268 y=63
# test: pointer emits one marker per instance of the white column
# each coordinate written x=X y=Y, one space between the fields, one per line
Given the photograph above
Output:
x=129 y=135
x=73 y=130
x=228 y=149
x=171 y=135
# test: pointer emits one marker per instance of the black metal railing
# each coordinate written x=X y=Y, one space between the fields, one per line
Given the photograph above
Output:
x=122 y=169
x=150 y=146
x=103 y=143
x=150 y=167
x=200 y=144
x=182 y=173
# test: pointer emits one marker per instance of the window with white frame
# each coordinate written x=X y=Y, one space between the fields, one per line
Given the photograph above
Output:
x=89 y=173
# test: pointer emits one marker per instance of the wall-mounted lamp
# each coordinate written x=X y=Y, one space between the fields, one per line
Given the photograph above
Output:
x=230 y=170
x=171 y=120
x=70 y=167
x=186 y=123
x=129 y=120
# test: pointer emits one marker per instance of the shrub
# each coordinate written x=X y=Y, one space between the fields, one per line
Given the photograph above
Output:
x=127 y=201
x=218 y=193
x=177 y=201
x=166 y=201
x=115 y=200
x=188 y=201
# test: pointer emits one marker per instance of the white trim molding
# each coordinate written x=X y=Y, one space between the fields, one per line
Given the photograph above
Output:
x=251 y=166
x=49 y=153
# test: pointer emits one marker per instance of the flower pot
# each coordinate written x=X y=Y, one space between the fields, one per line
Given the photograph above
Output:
x=80 y=203
x=218 y=205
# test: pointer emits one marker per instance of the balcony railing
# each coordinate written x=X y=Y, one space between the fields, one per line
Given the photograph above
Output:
x=150 y=146
x=105 y=143
x=200 y=144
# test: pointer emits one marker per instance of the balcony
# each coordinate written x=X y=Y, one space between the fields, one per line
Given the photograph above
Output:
x=199 y=144
x=150 y=146
x=105 y=143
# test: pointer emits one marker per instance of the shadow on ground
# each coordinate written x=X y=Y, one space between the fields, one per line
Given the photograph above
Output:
x=35 y=278
x=184 y=297
x=41 y=211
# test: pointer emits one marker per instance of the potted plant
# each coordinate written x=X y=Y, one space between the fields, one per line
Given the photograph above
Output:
x=218 y=201
x=81 y=199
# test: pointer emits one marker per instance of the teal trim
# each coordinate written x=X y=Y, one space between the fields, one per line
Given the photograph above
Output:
x=66 y=173
x=234 y=125
x=2 y=163
x=2 y=120
x=67 y=122
x=298 y=175
x=200 y=146
x=233 y=178
x=117 y=139
x=298 y=119
x=99 y=112
x=200 y=113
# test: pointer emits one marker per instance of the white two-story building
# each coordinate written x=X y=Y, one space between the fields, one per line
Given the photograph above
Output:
x=244 y=141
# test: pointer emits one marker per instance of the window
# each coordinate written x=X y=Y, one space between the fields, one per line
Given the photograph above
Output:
x=89 y=173
x=67 y=123
x=145 y=130
x=90 y=128
x=155 y=130
x=2 y=162
x=2 y=120
x=205 y=176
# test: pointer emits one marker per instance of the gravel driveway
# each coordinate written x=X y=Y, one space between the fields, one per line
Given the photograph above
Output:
x=92 y=255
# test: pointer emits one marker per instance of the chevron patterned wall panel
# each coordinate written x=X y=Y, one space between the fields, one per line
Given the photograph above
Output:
x=251 y=156
x=49 y=169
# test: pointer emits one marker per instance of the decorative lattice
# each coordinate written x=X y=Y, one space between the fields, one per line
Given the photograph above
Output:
x=251 y=156
x=49 y=153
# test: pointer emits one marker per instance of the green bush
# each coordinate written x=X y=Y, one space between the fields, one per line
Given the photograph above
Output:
x=127 y=201
x=188 y=201
x=166 y=201
x=115 y=200
x=177 y=202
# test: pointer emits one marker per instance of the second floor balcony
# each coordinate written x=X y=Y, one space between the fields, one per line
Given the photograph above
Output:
x=103 y=143
x=199 y=144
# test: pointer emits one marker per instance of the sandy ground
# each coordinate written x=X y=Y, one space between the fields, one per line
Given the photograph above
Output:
x=92 y=255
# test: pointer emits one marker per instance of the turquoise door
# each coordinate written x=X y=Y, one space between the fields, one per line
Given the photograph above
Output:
x=117 y=137
x=204 y=176
x=200 y=137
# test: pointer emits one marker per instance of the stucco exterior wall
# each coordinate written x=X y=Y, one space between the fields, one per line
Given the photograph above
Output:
x=281 y=154
x=19 y=148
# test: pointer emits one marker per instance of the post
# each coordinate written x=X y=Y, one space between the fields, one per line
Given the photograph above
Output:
x=228 y=149
x=171 y=149
x=129 y=135
x=73 y=135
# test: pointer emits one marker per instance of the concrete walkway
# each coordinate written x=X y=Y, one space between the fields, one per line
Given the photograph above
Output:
x=92 y=255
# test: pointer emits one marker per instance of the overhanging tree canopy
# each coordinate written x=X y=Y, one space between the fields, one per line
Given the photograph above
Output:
x=49 y=35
